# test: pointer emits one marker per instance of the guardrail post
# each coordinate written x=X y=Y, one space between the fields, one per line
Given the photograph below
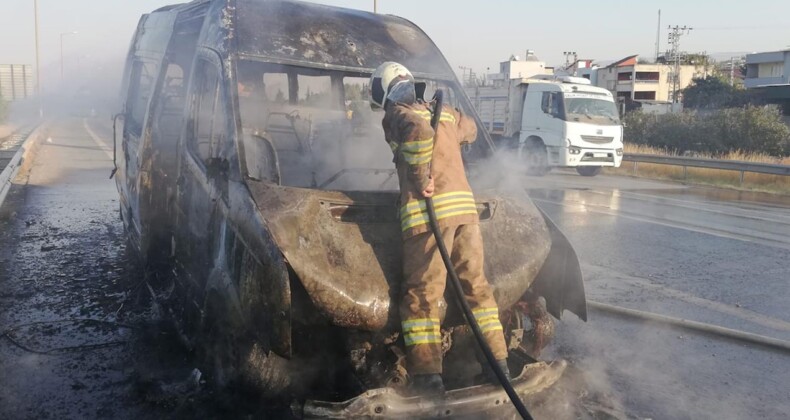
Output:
x=685 y=173
x=636 y=165
x=742 y=178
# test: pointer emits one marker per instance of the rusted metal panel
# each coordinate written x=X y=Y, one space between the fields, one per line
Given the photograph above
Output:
x=317 y=35
x=346 y=249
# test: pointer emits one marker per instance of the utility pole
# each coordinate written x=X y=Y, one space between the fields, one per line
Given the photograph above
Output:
x=466 y=81
x=674 y=42
x=375 y=6
x=38 y=67
x=732 y=71
x=658 y=35
x=568 y=55
x=61 y=51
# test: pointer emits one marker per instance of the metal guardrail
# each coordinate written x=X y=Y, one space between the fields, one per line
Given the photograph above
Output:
x=691 y=162
x=12 y=152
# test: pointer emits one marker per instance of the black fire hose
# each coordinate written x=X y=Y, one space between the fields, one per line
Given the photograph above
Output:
x=459 y=293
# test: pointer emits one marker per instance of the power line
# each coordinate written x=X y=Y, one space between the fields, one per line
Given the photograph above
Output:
x=675 y=33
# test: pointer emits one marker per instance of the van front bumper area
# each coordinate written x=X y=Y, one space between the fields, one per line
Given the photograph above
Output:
x=488 y=400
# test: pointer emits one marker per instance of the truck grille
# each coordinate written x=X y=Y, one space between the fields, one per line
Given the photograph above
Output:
x=590 y=157
x=597 y=139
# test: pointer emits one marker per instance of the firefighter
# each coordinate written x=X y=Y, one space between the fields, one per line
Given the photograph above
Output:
x=430 y=165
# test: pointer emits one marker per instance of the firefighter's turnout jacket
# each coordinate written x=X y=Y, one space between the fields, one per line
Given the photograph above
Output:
x=418 y=154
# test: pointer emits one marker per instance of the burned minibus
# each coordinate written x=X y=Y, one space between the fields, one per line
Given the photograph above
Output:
x=250 y=164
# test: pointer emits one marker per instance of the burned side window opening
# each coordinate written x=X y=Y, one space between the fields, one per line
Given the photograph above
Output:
x=142 y=84
x=315 y=128
x=208 y=115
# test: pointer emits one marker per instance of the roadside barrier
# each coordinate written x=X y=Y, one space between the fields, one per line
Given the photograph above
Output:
x=689 y=162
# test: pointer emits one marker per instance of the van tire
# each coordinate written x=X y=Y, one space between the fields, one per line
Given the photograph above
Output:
x=536 y=158
x=588 y=170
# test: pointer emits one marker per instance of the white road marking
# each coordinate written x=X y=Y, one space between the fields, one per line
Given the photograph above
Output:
x=96 y=139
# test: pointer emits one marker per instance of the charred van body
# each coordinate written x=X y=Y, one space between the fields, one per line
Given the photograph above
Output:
x=249 y=161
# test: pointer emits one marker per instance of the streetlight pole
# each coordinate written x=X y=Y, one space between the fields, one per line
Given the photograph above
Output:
x=375 y=6
x=38 y=71
x=61 y=51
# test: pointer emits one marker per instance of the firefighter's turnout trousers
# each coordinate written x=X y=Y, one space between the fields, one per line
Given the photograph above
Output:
x=420 y=153
x=426 y=278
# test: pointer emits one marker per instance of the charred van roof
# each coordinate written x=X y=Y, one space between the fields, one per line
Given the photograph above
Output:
x=300 y=33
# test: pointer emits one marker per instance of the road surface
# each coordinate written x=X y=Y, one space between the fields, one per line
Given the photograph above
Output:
x=709 y=255
x=704 y=254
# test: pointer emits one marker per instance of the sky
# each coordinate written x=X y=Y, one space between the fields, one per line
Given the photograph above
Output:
x=472 y=33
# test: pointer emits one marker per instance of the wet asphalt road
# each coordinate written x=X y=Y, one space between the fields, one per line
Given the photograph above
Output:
x=63 y=265
x=703 y=254
x=707 y=255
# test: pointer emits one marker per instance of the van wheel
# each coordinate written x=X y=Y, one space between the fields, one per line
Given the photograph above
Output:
x=588 y=170
x=537 y=159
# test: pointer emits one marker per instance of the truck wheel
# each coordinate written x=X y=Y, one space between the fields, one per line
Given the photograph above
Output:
x=588 y=170
x=537 y=159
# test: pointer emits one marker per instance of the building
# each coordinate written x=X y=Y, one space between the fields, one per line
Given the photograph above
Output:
x=515 y=68
x=767 y=69
x=629 y=79
x=768 y=74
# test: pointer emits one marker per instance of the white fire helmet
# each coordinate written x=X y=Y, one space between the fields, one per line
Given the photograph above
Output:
x=382 y=78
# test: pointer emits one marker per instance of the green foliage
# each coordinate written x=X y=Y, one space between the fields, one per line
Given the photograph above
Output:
x=714 y=93
x=758 y=129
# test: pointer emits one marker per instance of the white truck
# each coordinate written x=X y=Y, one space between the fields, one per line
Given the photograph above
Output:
x=553 y=121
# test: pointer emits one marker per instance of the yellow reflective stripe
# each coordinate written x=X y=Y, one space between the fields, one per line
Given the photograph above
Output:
x=418 y=160
x=422 y=330
x=394 y=146
x=438 y=198
x=482 y=319
x=441 y=205
x=492 y=327
x=490 y=322
x=422 y=218
x=419 y=322
x=412 y=340
x=414 y=155
x=440 y=211
x=488 y=319
x=414 y=146
x=485 y=311
x=447 y=117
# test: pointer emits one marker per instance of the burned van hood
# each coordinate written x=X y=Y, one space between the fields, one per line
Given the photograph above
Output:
x=346 y=248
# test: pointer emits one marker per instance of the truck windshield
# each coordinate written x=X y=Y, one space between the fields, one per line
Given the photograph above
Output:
x=314 y=128
x=590 y=108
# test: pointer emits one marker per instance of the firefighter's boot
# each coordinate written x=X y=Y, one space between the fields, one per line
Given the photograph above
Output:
x=430 y=384
x=488 y=376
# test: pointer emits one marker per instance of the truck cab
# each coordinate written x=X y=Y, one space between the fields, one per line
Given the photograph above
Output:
x=567 y=123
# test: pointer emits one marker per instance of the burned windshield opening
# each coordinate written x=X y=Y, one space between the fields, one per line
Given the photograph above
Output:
x=314 y=128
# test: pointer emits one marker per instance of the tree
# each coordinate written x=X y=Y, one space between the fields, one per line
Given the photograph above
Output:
x=714 y=92
x=758 y=129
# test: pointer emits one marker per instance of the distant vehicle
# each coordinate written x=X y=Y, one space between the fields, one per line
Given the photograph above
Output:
x=554 y=121
x=248 y=165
